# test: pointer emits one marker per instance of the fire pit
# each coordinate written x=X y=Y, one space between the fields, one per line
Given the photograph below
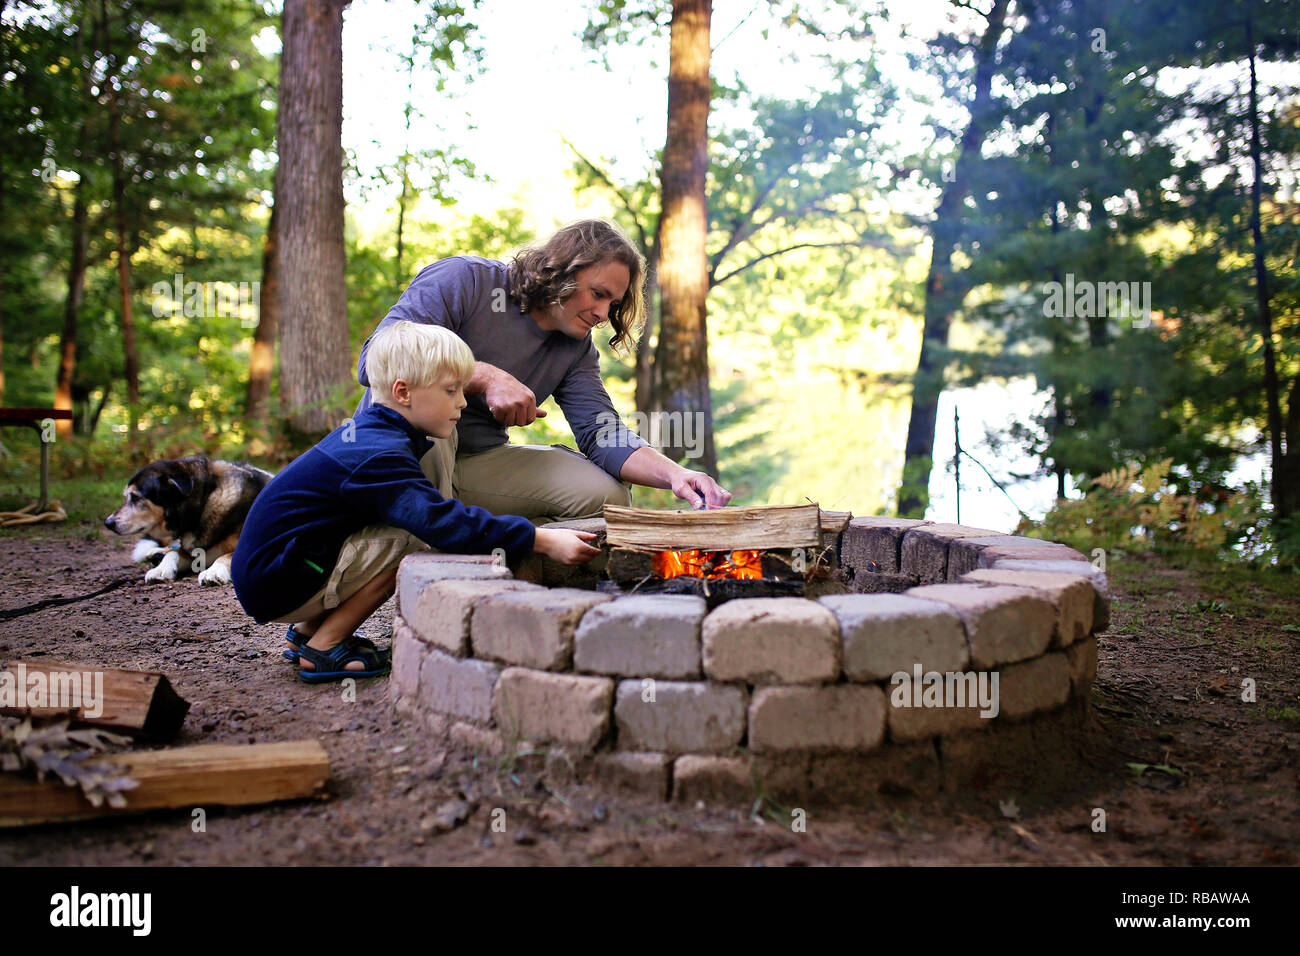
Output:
x=800 y=654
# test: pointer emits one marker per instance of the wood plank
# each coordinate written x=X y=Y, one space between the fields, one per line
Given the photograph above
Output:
x=212 y=775
x=138 y=702
x=717 y=529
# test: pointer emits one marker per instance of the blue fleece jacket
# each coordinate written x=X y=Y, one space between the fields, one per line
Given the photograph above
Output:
x=364 y=472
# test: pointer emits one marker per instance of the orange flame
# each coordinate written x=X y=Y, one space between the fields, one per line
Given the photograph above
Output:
x=743 y=565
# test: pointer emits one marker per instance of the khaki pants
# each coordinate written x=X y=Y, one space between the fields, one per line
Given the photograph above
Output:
x=543 y=482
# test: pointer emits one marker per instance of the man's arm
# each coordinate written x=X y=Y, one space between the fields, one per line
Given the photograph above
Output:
x=606 y=440
x=645 y=466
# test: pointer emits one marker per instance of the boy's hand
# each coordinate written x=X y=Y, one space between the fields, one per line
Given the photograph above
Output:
x=565 y=545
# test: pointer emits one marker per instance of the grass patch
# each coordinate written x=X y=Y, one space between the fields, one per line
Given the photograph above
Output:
x=1290 y=715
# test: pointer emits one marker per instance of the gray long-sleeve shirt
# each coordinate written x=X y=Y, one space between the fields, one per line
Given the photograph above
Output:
x=467 y=294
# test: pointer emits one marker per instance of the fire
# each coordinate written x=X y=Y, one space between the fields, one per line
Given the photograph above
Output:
x=743 y=565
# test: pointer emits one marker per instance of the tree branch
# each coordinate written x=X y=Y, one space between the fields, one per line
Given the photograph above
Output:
x=617 y=190
x=798 y=245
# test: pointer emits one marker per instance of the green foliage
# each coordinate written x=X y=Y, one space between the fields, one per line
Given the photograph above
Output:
x=1136 y=508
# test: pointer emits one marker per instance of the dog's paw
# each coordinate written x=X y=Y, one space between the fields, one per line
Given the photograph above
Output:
x=166 y=571
x=217 y=574
x=145 y=549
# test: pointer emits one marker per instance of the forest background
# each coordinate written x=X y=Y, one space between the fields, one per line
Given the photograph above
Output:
x=1074 y=223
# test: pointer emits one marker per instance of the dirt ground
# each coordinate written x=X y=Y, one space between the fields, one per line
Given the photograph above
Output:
x=1220 y=785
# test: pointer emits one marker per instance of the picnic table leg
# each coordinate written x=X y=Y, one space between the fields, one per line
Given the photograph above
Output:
x=45 y=468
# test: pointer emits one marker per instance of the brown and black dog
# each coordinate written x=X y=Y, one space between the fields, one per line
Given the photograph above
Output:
x=190 y=511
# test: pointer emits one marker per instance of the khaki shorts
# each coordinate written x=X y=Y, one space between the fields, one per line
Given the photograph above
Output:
x=365 y=554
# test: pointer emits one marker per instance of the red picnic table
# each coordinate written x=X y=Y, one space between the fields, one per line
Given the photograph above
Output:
x=35 y=417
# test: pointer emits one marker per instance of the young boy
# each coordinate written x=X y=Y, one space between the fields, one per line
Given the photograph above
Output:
x=320 y=546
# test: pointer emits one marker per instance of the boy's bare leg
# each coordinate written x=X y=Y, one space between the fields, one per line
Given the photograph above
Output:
x=307 y=628
x=343 y=620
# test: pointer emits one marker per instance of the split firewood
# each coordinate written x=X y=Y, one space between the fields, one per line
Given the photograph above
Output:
x=718 y=529
x=137 y=702
x=214 y=775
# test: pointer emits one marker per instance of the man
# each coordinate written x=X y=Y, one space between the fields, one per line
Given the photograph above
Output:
x=529 y=325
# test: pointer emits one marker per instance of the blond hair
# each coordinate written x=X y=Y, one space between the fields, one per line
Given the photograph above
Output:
x=418 y=354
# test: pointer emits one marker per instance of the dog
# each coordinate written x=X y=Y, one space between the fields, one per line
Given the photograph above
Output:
x=190 y=509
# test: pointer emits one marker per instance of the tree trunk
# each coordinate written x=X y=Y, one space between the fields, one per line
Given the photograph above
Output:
x=399 y=279
x=262 y=360
x=645 y=342
x=314 y=340
x=681 y=367
x=944 y=290
x=1284 y=499
x=72 y=304
x=131 y=371
x=2 y=296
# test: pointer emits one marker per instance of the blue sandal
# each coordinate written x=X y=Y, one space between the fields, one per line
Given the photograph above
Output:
x=331 y=665
x=298 y=639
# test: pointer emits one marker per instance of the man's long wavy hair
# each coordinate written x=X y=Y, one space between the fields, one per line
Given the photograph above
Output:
x=546 y=275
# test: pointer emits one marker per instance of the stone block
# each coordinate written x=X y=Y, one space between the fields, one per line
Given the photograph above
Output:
x=1100 y=582
x=929 y=704
x=1083 y=664
x=924 y=551
x=870 y=545
x=565 y=708
x=898 y=770
x=408 y=655
x=424 y=567
x=1003 y=623
x=479 y=740
x=1072 y=596
x=455 y=686
x=837 y=717
x=644 y=773
x=710 y=778
x=964 y=553
x=682 y=717
x=532 y=628
x=887 y=633
x=1037 y=685
x=867 y=583
x=445 y=609
x=1037 y=551
x=642 y=636
x=771 y=640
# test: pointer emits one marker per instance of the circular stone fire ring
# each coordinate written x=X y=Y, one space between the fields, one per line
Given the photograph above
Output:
x=927 y=658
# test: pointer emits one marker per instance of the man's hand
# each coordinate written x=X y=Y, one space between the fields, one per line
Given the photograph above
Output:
x=700 y=490
x=510 y=401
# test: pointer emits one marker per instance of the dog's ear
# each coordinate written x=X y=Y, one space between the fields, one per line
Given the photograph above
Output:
x=182 y=481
